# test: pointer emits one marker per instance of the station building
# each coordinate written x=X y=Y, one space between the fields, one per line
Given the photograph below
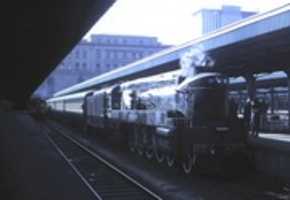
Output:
x=208 y=20
x=96 y=56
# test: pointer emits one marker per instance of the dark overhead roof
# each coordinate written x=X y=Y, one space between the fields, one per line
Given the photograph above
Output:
x=36 y=36
x=260 y=43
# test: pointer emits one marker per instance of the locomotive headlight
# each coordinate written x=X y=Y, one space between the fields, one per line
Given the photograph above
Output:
x=222 y=128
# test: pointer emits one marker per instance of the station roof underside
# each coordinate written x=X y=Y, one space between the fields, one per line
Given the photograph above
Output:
x=36 y=36
x=275 y=79
x=260 y=43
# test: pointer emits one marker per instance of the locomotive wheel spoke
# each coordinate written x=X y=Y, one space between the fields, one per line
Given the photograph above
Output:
x=139 y=140
x=188 y=163
x=158 y=155
x=170 y=158
x=149 y=153
x=131 y=143
x=132 y=149
x=140 y=150
x=148 y=144
x=134 y=141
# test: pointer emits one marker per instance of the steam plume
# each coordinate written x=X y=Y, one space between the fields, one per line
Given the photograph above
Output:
x=193 y=59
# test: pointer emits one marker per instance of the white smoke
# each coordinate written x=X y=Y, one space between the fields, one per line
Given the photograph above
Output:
x=192 y=59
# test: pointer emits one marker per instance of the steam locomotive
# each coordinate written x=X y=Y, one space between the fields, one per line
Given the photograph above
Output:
x=174 y=119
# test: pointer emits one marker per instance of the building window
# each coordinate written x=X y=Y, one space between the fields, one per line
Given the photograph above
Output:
x=84 y=54
x=84 y=65
x=98 y=53
x=77 y=65
x=107 y=54
x=97 y=65
x=112 y=54
x=120 y=54
x=129 y=55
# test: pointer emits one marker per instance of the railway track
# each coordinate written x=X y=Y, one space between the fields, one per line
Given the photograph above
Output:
x=103 y=179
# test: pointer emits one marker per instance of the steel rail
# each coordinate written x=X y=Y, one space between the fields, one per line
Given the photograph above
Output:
x=68 y=161
x=103 y=161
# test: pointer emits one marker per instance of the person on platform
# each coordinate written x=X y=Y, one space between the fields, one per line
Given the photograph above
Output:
x=247 y=114
x=233 y=109
x=264 y=110
x=256 y=116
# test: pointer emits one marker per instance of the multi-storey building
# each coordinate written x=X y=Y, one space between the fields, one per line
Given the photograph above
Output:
x=99 y=55
x=207 y=20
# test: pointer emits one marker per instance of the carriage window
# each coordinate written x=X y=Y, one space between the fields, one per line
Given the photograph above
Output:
x=116 y=98
x=148 y=105
x=140 y=105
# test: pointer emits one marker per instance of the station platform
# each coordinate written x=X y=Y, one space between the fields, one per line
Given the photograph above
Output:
x=30 y=167
x=272 y=154
x=276 y=137
x=276 y=141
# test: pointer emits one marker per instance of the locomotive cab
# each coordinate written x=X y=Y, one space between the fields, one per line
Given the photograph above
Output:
x=207 y=126
x=205 y=96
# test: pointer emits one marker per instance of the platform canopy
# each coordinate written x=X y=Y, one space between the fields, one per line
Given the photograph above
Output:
x=260 y=43
x=276 y=79
x=36 y=36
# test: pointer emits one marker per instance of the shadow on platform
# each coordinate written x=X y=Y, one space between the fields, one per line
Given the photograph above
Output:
x=30 y=166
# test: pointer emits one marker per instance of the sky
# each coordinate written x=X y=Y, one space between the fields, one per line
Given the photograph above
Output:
x=169 y=20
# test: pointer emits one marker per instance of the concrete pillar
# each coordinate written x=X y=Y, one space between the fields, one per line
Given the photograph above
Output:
x=251 y=86
x=272 y=100
x=241 y=103
x=251 y=94
x=288 y=81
